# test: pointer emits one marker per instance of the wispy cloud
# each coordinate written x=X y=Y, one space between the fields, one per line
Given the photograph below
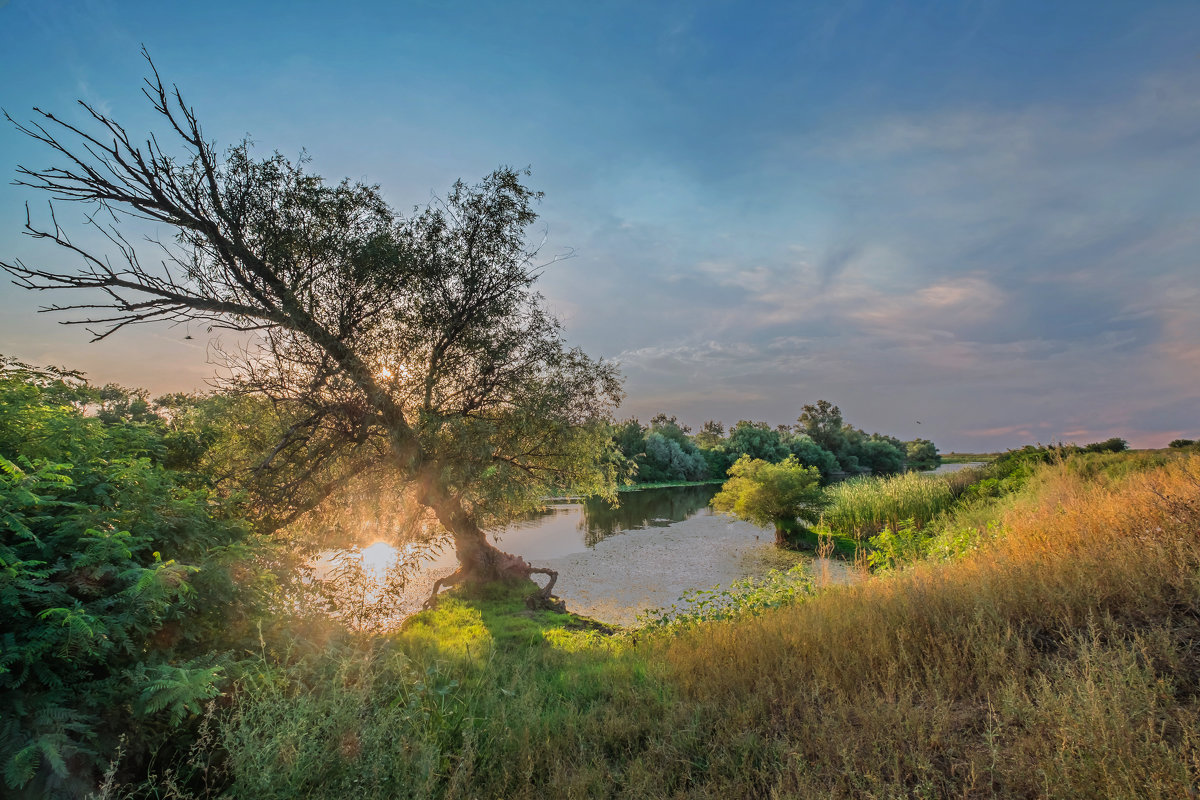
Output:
x=1002 y=241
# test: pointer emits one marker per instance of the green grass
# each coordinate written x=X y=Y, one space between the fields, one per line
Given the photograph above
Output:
x=458 y=699
x=494 y=616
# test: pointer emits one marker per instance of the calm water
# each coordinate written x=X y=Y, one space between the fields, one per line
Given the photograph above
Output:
x=613 y=563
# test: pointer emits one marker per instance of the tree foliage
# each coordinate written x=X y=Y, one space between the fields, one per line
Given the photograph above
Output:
x=855 y=450
x=822 y=422
x=661 y=452
x=922 y=455
x=775 y=495
x=710 y=435
x=810 y=454
x=882 y=455
x=758 y=440
x=821 y=438
x=409 y=352
x=1114 y=445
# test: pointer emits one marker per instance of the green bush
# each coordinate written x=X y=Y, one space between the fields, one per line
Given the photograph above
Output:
x=776 y=495
x=118 y=586
x=903 y=545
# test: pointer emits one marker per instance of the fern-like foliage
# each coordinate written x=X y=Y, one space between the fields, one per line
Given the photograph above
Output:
x=180 y=691
x=116 y=593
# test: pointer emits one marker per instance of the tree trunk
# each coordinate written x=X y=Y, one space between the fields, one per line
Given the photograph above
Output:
x=780 y=536
x=479 y=561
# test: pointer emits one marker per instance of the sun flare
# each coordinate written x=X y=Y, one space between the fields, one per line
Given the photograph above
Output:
x=377 y=558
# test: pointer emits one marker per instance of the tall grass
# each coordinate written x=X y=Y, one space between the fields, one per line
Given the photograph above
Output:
x=864 y=506
x=1056 y=659
x=479 y=698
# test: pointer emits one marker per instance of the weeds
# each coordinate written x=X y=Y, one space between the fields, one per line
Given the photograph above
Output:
x=743 y=598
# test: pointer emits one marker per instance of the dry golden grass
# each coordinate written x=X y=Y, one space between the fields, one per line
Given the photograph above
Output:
x=1059 y=661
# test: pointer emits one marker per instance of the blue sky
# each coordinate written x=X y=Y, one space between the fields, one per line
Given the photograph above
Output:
x=984 y=217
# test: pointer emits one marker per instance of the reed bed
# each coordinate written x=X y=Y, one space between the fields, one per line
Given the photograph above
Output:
x=864 y=506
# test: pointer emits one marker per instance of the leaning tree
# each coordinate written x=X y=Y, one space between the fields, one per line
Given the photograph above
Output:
x=407 y=353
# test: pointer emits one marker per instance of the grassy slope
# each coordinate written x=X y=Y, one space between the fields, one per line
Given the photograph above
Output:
x=1057 y=659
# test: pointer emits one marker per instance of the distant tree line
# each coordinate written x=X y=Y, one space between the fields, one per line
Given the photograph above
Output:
x=667 y=450
x=1114 y=445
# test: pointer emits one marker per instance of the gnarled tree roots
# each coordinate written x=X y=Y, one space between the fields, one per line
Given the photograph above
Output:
x=506 y=568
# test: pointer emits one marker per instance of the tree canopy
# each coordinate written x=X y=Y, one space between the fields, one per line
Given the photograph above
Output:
x=923 y=454
x=775 y=495
x=410 y=351
x=667 y=451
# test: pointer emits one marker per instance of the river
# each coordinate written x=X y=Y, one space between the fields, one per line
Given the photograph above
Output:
x=614 y=563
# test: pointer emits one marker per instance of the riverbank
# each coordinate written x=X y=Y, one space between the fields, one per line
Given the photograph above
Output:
x=1025 y=661
x=966 y=458
x=637 y=487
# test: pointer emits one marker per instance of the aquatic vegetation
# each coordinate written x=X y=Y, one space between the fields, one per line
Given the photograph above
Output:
x=864 y=506
x=746 y=597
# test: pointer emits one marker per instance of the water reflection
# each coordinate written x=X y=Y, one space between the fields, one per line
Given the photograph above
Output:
x=646 y=508
x=670 y=543
x=559 y=528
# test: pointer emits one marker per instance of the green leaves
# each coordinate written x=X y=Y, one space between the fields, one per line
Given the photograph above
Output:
x=771 y=494
x=180 y=691
x=81 y=628
x=114 y=587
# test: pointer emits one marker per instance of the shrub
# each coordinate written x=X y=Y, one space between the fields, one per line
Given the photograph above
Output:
x=116 y=586
x=1113 y=445
x=771 y=494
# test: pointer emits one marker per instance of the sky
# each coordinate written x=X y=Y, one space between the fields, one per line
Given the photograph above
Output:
x=977 y=223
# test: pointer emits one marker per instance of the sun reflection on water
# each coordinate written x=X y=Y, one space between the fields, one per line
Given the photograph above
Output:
x=378 y=558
